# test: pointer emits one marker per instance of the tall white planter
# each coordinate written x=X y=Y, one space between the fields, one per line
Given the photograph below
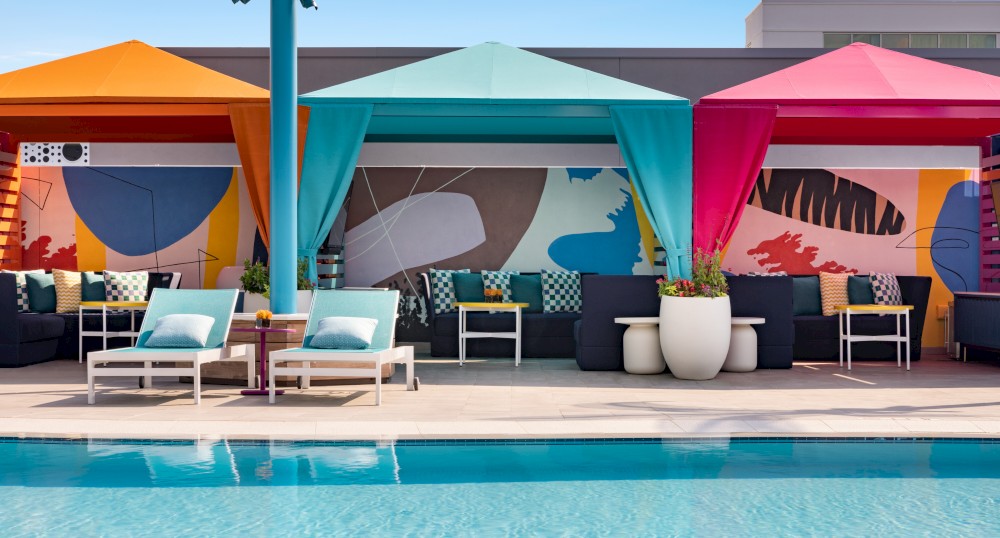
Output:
x=694 y=335
x=253 y=302
x=303 y=301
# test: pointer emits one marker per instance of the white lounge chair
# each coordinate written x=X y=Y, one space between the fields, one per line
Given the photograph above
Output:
x=218 y=304
x=377 y=304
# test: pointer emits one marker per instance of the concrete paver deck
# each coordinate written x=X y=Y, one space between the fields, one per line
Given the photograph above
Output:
x=542 y=398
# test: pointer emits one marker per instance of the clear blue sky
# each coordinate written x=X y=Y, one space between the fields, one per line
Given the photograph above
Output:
x=35 y=31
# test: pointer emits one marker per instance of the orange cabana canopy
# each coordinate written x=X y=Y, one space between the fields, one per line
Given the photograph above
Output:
x=133 y=92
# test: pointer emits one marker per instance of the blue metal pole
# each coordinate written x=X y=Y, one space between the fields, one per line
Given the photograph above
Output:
x=284 y=162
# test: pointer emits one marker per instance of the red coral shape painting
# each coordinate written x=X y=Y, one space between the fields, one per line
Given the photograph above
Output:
x=786 y=253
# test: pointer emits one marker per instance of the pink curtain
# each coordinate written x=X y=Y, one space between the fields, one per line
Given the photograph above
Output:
x=730 y=142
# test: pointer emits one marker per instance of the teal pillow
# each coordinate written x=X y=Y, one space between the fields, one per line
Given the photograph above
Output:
x=338 y=332
x=468 y=287
x=527 y=289
x=41 y=292
x=93 y=287
x=805 y=296
x=859 y=290
x=181 y=331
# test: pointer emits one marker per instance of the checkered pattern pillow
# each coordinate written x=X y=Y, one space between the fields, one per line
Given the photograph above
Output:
x=443 y=289
x=499 y=280
x=22 y=288
x=125 y=287
x=561 y=291
x=765 y=273
x=885 y=288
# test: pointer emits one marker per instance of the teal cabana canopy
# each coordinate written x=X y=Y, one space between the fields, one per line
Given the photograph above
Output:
x=496 y=93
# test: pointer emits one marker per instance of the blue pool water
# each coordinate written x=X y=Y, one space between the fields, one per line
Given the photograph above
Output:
x=639 y=488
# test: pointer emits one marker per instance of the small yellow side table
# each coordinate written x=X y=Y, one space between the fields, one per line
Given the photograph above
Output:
x=902 y=313
x=464 y=333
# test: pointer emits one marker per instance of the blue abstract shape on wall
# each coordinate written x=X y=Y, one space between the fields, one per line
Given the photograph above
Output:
x=138 y=211
x=607 y=253
x=956 y=237
x=587 y=174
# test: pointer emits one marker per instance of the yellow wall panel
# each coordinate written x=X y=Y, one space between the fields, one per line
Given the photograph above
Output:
x=223 y=233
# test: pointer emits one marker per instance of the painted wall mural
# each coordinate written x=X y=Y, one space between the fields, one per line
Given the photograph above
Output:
x=910 y=222
x=190 y=220
x=403 y=221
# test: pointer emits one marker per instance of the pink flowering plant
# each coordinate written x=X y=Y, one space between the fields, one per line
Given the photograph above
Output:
x=706 y=279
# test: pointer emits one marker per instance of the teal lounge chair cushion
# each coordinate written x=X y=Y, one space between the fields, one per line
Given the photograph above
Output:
x=859 y=290
x=805 y=296
x=216 y=304
x=181 y=330
x=41 y=292
x=468 y=287
x=527 y=289
x=342 y=332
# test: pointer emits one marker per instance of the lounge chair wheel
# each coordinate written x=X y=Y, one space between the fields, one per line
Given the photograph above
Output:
x=298 y=382
x=142 y=382
x=416 y=383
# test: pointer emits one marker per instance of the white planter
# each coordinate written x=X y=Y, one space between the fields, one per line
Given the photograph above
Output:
x=694 y=335
x=253 y=302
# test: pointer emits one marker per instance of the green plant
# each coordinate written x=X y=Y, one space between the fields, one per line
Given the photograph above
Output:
x=706 y=280
x=256 y=278
x=303 y=282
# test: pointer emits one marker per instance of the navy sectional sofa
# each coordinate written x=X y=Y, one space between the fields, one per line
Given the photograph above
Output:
x=30 y=338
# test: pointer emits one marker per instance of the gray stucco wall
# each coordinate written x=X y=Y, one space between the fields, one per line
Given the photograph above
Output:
x=691 y=73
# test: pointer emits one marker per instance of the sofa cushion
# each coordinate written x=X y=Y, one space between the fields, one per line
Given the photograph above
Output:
x=93 y=286
x=805 y=296
x=41 y=292
x=37 y=327
x=468 y=287
x=22 y=288
x=561 y=291
x=832 y=291
x=527 y=289
x=859 y=290
x=499 y=280
x=443 y=289
x=126 y=286
x=68 y=287
x=885 y=289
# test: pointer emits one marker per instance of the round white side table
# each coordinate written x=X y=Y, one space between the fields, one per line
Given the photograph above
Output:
x=742 y=355
x=641 y=346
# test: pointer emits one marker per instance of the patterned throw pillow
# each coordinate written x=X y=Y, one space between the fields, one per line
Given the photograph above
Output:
x=344 y=333
x=499 y=280
x=833 y=291
x=69 y=286
x=125 y=287
x=561 y=291
x=443 y=289
x=885 y=288
x=765 y=273
x=181 y=331
x=22 y=287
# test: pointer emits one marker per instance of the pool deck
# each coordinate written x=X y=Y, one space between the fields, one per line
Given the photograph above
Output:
x=542 y=398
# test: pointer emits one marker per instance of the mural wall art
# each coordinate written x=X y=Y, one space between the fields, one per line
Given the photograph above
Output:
x=909 y=222
x=188 y=220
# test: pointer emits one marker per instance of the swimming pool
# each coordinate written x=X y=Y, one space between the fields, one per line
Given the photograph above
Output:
x=738 y=487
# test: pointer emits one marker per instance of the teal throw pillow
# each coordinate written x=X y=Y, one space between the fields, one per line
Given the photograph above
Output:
x=181 y=331
x=805 y=296
x=468 y=287
x=22 y=288
x=93 y=287
x=527 y=289
x=41 y=292
x=339 y=332
x=859 y=290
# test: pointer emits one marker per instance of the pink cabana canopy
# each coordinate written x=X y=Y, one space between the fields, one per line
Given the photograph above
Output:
x=859 y=94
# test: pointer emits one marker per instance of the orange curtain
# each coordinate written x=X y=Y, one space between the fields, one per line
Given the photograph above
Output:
x=252 y=129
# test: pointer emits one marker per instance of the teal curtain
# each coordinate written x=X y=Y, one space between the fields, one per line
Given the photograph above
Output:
x=655 y=142
x=333 y=143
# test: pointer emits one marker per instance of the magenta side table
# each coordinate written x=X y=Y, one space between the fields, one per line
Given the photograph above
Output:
x=262 y=338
